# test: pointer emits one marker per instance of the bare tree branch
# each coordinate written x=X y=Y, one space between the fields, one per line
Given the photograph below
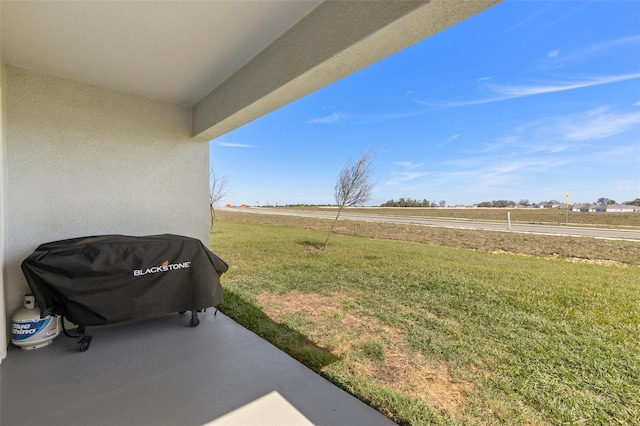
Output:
x=354 y=186
x=218 y=189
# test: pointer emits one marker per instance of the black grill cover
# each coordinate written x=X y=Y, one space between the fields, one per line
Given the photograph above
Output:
x=114 y=278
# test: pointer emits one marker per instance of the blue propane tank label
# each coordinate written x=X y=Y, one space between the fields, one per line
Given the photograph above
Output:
x=23 y=330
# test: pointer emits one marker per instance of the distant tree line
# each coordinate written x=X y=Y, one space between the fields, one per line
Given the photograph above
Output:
x=408 y=202
x=602 y=201
x=497 y=203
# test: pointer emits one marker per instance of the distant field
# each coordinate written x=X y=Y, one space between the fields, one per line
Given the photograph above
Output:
x=533 y=216
x=578 y=249
x=469 y=330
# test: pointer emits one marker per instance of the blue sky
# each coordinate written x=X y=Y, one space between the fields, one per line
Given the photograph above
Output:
x=526 y=100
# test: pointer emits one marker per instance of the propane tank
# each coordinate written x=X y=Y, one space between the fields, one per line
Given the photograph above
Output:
x=29 y=331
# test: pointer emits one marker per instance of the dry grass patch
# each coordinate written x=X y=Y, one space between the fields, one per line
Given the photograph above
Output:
x=556 y=256
x=597 y=262
x=368 y=347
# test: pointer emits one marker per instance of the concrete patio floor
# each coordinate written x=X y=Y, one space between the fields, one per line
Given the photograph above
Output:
x=162 y=372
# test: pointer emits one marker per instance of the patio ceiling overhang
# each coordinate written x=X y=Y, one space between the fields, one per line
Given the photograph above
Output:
x=232 y=61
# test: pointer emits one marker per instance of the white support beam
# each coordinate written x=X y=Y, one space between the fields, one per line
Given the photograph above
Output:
x=334 y=40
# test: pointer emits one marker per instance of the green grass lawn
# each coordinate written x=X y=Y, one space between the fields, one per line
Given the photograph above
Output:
x=443 y=335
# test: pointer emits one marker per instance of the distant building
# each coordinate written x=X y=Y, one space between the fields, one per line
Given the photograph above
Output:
x=581 y=208
x=622 y=208
x=610 y=208
x=548 y=206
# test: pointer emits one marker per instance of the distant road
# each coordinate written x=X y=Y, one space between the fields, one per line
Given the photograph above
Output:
x=573 y=231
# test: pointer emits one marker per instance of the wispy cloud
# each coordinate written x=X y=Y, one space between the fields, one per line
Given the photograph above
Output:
x=528 y=19
x=606 y=47
x=598 y=123
x=622 y=42
x=360 y=119
x=502 y=92
x=399 y=177
x=406 y=175
x=520 y=91
x=493 y=92
x=409 y=165
x=377 y=118
x=542 y=148
x=556 y=134
x=329 y=119
x=496 y=172
x=451 y=139
x=235 y=145
x=592 y=51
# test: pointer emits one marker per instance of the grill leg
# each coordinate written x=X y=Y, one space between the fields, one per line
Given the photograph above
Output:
x=194 y=319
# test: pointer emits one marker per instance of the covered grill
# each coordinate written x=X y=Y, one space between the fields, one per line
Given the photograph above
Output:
x=115 y=278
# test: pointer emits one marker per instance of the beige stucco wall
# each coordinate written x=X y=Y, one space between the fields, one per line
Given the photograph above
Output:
x=84 y=160
x=3 y=325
